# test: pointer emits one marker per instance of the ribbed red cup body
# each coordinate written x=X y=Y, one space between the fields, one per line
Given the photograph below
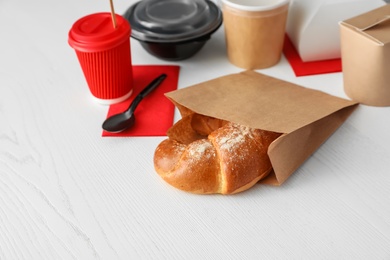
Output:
x=104 y=55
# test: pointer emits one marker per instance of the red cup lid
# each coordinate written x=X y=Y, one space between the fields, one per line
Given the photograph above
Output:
x=96 y=32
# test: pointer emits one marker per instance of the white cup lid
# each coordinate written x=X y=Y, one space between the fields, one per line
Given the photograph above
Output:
x=255 y=5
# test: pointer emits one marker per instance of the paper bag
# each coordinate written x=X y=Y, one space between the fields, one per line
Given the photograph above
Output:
x=312 y=25
x=305 y=117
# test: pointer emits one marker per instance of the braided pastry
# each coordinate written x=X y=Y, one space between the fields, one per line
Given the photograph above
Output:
x=214 y=156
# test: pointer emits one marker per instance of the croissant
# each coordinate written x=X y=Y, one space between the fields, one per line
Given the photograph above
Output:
x=214 y=156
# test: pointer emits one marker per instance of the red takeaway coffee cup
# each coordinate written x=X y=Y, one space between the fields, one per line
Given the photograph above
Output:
x=104 y=55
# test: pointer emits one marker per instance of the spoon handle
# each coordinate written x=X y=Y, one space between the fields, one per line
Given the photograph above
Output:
x=149 y=88
x=152 y=85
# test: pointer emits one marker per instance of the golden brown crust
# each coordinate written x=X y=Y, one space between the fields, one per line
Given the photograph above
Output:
x=242 y=154
x=205 y=125
x=193 y=168
x=215 y=157
x=183 y=132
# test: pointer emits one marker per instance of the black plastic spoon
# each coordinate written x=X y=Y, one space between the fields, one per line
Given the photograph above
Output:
x=120 y=122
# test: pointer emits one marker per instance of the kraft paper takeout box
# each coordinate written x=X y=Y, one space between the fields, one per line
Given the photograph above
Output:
x=305 y=117
x=365 y=46
x=312 y=25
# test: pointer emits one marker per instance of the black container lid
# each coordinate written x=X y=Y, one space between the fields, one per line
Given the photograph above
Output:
x=169 y=21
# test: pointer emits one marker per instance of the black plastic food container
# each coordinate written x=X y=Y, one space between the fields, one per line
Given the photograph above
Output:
x=173 y=29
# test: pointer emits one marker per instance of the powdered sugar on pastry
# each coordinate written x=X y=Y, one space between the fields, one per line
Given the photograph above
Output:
x=231 y=159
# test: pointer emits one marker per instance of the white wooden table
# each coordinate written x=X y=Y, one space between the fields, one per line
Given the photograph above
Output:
x=68 y=193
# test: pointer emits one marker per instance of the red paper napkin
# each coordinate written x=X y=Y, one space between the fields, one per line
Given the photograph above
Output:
x=301 y=68
x=154 y=115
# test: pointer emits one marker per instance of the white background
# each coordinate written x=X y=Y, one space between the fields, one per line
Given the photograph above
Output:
x=68 y=193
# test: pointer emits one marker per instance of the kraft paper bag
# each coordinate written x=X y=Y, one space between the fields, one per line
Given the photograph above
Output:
x=305 y=117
